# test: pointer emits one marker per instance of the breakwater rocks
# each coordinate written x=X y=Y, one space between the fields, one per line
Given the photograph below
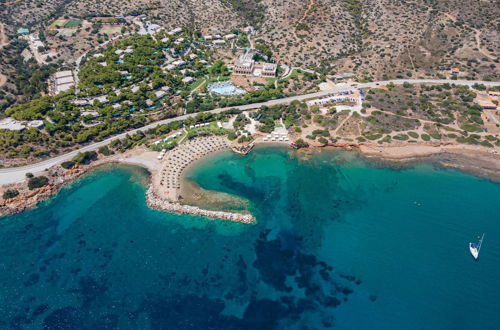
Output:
x=164 y=205
x=243 y=150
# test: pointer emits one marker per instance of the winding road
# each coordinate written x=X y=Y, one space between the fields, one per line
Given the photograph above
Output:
x=17 y=174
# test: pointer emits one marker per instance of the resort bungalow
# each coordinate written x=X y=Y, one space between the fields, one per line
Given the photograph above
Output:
x=207 y=37
x=159 y=94
x=179 y=41
x=187 y=80
x=219 y=42
x=175 y=31
x=35 y=124
x=178 y=63
x=248 y=29
x=11 y=125
x=81 y=102
x=230 y=36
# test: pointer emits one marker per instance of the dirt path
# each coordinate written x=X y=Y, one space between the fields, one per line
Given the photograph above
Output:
x=342 y=123
x=3 y=79
x=308 y=10
x=477 y=36
x=4 y=41
x=483 y=51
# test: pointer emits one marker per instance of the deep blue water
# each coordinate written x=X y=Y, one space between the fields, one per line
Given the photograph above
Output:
x=339 y=243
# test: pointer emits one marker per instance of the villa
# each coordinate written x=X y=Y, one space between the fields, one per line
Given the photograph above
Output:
x=175 y=31
x=230 y=36
x=246 y=66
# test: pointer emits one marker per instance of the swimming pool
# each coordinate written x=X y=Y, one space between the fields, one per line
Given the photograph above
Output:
x=225 y=88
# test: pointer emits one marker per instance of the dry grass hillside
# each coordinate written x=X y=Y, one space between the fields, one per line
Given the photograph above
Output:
x=374 y=38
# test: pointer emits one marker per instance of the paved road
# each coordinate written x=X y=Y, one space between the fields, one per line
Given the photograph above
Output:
x=17 y=174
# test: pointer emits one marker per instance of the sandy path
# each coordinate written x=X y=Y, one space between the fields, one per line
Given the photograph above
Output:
x=342 y=123
x=3 y=79
x=477 y=36
x=4 y=41
x=306 y=14
x=483 y=51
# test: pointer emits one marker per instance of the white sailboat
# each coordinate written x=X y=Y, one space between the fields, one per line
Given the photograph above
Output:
x=475 y=248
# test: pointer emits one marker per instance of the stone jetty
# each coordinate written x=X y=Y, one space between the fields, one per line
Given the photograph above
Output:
x=165 y=205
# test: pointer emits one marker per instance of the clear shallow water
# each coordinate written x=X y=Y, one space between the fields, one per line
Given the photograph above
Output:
x=337 y=244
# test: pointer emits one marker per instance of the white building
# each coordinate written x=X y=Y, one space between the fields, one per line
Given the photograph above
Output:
x=159 y=94
x=230 y=36
x=35 y=124
x=11 y=124
x=175 y=31
x=178 y=63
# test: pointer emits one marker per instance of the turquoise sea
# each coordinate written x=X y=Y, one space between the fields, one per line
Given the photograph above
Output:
x=339 y=243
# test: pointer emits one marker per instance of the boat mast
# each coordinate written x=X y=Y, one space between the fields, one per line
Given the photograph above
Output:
x=480 y=243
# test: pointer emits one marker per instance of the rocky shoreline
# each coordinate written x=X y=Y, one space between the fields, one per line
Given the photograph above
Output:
x=31 y=198
x=475 y=161
x=156 y=202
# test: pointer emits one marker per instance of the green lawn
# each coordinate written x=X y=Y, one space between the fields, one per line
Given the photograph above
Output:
x=218 y=78
x=197 y=84
x=73 y=23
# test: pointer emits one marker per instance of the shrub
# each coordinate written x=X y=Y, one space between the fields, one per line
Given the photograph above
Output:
x=322 y=140
x=386 y=139
x=85 y=157
x=373 y=136
x=413 y=135
x=486 y=144
x=471 y=128
x=67 y=165
x=29 y=175
x=37 y=182
x=301 y=143
x=10 y=193
x=105 y=151
x=401 y=137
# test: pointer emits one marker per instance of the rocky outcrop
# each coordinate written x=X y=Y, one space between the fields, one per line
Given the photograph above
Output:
x=244 y=149
x=31 y=198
